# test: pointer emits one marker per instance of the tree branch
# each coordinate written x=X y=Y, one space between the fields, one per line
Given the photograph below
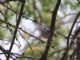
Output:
x=65 y=55
x=6 y=1
x=16 y=28
x=52 y=28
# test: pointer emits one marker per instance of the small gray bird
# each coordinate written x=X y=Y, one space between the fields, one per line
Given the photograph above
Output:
x=44 y=30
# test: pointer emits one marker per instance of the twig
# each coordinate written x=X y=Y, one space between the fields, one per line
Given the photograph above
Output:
x=4 y=51
x=6 y=1
x=38 y=11
x=66 y=51
x=67 y=15
x=16 y=28
x=70 y=34
x=26 y=40
x=24 y=16
x=31 y=58
x=73 y=54
x=22 y=30
x=32 y=35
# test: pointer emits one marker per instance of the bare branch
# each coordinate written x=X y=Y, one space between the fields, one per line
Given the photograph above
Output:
x=52 y=28
x=65 y=55
x=16 y=28
x=6 y=1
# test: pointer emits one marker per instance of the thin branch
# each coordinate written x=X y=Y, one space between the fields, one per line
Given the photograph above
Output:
x=24 y=16
x=22 y=30
x=73 y=54
x=16 y=28
x=4 y=51
x=26 y=40
x=6 y=1
x=32 y=35
x=70 y=34
x=36 y=10
x=67 y=15
x=66 y=51
x=31 y=58
x=52 y=28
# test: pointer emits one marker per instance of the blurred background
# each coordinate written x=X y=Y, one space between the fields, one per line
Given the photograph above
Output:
x=34 y=26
